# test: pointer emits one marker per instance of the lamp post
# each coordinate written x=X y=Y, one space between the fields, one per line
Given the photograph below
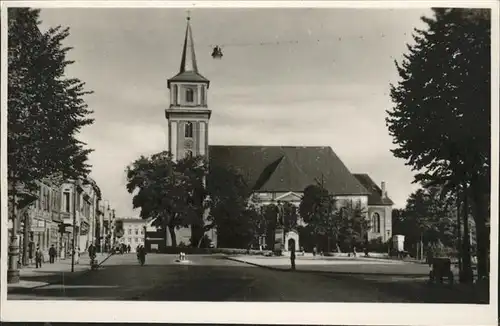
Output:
x=13 y=270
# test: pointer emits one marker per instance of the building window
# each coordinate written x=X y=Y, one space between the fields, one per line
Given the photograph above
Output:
x=188 y=130
x=66 y=201
x=203 y=95
x=189 y=95
x=376 y=222
x=136 y=232
x=129 y=231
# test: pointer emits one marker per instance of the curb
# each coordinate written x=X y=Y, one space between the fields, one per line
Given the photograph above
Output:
x=262 y=266
x=316 y=272
x=84 y=272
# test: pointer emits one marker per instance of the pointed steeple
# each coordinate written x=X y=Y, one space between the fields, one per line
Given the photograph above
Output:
x=188 y=71
x=188 y=61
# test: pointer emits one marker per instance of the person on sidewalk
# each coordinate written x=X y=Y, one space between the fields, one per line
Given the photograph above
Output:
x=92 y=252
x=38 y=258
x=77 y=256
x=292 y=257
x=52 y=254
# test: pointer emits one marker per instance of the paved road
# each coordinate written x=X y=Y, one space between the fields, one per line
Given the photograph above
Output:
x=214 y=278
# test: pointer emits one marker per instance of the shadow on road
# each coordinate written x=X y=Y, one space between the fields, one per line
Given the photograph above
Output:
x=215 y=280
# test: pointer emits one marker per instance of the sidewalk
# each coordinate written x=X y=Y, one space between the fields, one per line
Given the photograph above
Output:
x=60 y=270
x=310 y=260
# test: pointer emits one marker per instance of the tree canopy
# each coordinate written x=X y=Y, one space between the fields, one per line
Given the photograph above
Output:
x=46 y=109
x=441 y=121
x=233 y=209
x=170 y=192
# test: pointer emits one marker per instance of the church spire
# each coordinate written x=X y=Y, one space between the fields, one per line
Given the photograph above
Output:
x=188 y=61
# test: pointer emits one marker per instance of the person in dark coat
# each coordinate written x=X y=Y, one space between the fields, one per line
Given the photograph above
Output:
x=38 y=257
x=52 y=254
x=292 y=257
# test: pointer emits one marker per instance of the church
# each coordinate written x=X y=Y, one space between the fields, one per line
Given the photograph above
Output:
x=276 y=173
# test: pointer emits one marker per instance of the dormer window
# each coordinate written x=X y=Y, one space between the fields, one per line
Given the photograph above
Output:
x=189 y=95
x=188 y=130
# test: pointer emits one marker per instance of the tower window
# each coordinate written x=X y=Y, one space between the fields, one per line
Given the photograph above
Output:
x=189 y=95
x=188 y=130
x=203 y=95
x=174 y=98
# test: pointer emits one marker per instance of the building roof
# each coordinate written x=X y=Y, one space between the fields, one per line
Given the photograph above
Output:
x=188 y=71
x=375 y=197
x=287 y=168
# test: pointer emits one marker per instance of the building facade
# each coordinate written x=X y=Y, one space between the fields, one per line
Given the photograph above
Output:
x=275 y=173
x=134 y=232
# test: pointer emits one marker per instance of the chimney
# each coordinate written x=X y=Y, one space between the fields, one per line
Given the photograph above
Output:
x=384 y=192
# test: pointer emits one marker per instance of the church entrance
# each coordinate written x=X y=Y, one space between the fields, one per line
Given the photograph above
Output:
x=291 y=243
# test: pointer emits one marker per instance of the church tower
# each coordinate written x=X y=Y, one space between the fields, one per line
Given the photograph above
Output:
x=188 y=114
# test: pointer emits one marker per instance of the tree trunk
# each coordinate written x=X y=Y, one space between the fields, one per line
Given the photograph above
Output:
x=467 y=276
x=173 y=239
x=480 y=215
x=459 y=233
x=26 y=228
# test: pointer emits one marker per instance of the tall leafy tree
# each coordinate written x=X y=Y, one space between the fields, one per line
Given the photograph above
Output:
x=290 y=217
x=441 y=119
x=229 y=200
x=318 y=209
x=352 y=225
x=45 y=112
x=46 y=109
x=168 y=191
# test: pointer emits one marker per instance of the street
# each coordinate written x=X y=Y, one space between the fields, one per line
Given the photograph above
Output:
x=216 y=278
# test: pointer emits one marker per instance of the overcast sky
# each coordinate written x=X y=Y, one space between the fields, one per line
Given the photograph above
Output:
x=328 y=86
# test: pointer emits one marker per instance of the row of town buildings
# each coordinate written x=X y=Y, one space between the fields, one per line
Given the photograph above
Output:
x=62 y=214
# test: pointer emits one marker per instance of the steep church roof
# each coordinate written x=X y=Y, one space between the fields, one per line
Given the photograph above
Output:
x=287 y=168
x=188 y=71
x=375 y=197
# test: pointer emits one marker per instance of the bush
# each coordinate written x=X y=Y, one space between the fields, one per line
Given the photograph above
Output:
x=377 y=245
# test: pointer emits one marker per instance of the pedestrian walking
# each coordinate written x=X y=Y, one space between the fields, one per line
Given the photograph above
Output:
x=128 y=249
x=31 y=251
x=52 y=254
x=292 y=257
x=38 y=258
x=77 y=256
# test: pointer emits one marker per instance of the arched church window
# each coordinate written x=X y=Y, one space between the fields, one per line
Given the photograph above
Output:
x=189 y=95
x=188 y=130
x=376 y=222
